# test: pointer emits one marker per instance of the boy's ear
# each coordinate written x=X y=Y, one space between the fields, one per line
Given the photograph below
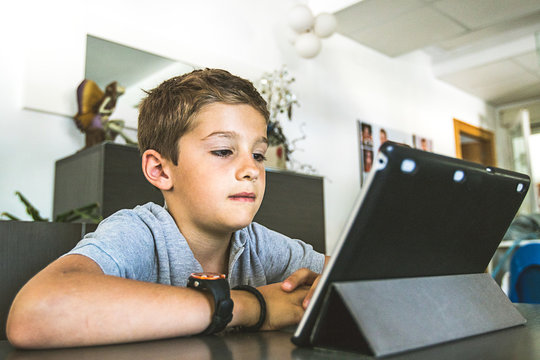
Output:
x=156 y=169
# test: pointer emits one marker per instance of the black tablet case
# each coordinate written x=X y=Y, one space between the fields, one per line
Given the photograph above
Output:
x=417 y=224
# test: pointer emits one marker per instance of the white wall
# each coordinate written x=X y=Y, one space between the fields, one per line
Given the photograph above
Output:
x=534 y=143
x=344 y=83
x=30 y=142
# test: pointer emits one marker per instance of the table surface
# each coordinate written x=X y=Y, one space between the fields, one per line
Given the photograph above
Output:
x=521 y=342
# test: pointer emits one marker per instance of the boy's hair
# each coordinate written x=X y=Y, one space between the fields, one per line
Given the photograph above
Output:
x=169 y=110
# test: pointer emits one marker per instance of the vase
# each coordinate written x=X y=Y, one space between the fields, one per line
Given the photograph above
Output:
x=275 y=157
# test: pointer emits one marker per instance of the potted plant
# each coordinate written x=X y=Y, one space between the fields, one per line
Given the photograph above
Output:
x=275 y=89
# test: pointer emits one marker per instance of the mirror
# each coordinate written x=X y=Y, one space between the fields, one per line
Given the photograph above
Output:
x=136 y=70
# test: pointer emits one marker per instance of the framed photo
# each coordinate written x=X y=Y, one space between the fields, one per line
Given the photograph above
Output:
x=370 y=139
x=423 y=143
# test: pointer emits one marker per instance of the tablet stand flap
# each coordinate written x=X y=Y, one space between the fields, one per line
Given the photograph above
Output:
x=390 y=316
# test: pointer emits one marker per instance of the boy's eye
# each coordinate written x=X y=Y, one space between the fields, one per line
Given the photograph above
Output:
x=259 y=157
x=222 y=153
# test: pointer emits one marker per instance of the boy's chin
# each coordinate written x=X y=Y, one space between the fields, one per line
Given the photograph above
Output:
x=240 y=219
x=240 y=223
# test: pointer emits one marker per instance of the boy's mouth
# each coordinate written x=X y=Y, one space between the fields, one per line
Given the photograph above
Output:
x=244 y=196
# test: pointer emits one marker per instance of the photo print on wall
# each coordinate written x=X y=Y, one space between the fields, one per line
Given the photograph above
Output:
x=422 y=143
x=372 y=136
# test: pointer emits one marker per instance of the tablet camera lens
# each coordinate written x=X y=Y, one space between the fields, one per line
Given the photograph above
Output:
x=408 y=166
x=381 y=162
x=459 y=176
x=520 y=187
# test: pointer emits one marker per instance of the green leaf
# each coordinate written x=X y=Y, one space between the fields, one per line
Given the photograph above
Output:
x=9 y=216
x=30 y=209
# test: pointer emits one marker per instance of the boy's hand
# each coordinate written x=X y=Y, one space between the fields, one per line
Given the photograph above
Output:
x=282 y=309
x=302 y=277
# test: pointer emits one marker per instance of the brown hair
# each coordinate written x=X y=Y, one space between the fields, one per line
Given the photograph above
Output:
x=169 y=110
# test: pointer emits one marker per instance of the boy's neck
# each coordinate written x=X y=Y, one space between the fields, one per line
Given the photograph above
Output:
x=210 y=249
x=212 y=254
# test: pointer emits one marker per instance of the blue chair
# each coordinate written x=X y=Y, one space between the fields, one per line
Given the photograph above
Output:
x=525 y=274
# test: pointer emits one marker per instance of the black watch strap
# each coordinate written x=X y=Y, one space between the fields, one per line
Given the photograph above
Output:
x=223 y=305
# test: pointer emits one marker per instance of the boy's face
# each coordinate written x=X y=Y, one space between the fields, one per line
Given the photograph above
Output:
x=219 y=182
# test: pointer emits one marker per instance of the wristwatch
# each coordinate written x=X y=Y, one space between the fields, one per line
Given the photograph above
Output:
x=218 y=286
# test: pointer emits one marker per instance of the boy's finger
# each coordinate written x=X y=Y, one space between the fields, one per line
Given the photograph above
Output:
x=299 y=277
x=296 y=279
x=309 y=295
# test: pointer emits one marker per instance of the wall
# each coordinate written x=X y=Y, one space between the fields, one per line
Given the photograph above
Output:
x=30 y=142
x=344 y=83
x=534 y=142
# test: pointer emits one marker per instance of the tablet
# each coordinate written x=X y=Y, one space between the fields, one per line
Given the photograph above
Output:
x=420 y=214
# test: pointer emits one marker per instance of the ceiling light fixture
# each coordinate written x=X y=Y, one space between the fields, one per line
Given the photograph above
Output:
x=309 y=30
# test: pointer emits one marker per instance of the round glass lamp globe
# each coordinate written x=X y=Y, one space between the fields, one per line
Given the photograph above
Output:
x=300 y=18
x=325 y=25
x=308 y=45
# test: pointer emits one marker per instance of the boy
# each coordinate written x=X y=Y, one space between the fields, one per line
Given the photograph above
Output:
x=203 y=139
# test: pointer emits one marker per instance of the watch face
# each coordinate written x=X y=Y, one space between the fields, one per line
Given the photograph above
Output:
x=208 y=276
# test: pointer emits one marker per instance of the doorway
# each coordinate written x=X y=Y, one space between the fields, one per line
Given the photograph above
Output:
x=474 y=144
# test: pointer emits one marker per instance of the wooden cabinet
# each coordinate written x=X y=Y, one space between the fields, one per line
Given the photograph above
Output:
x=294 y=205
x=110 y=174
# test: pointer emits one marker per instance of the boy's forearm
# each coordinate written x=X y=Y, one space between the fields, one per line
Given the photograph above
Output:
x=89 y=309
x=60 y=309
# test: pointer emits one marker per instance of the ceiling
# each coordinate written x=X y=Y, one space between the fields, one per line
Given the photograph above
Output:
x=484 y=47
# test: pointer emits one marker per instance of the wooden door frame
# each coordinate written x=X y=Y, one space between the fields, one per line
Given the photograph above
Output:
x=461 y=127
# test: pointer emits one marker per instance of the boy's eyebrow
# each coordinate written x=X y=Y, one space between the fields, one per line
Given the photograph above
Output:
x=227 y=134
x=232 y=134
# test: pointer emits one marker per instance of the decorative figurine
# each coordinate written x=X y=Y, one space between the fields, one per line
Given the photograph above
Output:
x=94 y=110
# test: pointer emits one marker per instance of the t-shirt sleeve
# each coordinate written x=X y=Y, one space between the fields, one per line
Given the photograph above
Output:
x=281 y=255
x=122 y=245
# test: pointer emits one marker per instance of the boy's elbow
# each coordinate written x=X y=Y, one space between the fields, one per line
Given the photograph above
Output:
x=15 y=335
x=23 y=326
x=18 y=331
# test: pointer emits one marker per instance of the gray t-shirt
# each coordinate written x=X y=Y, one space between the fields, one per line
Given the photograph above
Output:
x=145 y=244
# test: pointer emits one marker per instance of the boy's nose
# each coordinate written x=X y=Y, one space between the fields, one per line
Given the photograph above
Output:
x=248 y=169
